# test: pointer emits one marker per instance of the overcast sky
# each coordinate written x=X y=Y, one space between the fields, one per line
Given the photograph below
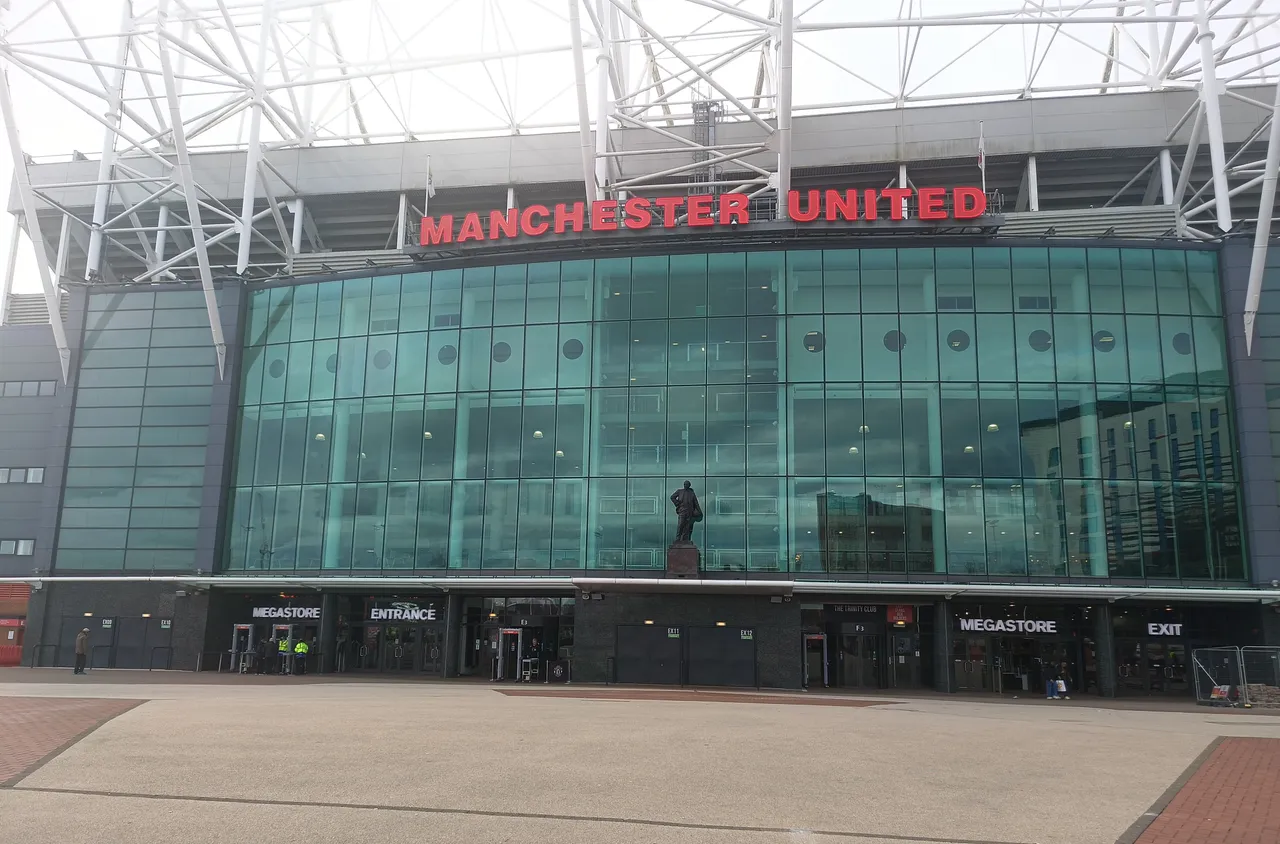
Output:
x=536 y=90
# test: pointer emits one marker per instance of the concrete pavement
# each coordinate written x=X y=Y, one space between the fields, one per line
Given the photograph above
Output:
x=355 y=761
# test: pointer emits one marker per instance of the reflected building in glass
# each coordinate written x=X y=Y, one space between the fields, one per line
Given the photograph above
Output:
x=970 y=412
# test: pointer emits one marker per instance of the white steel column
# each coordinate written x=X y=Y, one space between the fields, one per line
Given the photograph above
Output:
x=93 y=260
x=902 y=183
x=162 y=233
x=64 y=243
x=584 y=118
x=1213 y=115
x=1033 y=184
x=28 y=199
x=254 y=152
x=182 y=173
x=298 y=218
x=10 y=267
x=402 y=221
x=1266 y=207
x=786 y=45
x=1166 y=177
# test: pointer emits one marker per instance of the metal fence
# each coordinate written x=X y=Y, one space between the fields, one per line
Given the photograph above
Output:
x=1248 y=676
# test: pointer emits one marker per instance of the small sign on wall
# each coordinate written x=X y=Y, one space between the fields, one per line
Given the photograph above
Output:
x=747 y=634
x=165 y=624
x=673 y=632
x=106 y=623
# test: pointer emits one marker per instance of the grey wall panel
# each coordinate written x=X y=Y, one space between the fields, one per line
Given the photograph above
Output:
x=1253 y=425
x=776 y=628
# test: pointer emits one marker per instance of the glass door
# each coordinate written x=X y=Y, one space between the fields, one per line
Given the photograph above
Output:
x=1166 y=668
x=432 y=650
x=860 y=660
x=815 y=659
x=969 y=662
x=399 y=648
x=1131 y=667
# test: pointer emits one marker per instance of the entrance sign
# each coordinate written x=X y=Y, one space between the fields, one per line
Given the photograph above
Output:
x=403 y=611
x=287 y=612
x=1164 y=629
x=994 y=625
x=700 y=211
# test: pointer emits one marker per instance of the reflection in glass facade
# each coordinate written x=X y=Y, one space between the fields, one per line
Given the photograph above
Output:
x=966 y=411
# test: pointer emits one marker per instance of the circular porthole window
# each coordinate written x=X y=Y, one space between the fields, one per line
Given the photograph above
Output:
x=1104 y=341
x=382 y=359
x=276 y=369
x=501 y=352
x=572 y=349
x=958 y=341
x=895 y=341
x=1040 y=340
x=331 y=363
x=814 y=341
x=447 y=355
x=1182 y=343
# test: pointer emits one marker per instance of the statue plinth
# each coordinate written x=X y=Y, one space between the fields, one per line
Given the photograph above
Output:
x=683 y=559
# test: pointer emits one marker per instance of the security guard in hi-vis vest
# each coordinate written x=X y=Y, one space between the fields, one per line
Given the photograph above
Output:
x=282 y=656
x=300 y=651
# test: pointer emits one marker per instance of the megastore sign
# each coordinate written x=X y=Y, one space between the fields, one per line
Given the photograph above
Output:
x=1000 y=625
x=290 y=613
x=700 y=211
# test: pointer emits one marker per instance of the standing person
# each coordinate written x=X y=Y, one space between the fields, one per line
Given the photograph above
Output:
x=260 y=656
x=300 y=651
x=1064 y=681
x=82 y=650
x=282 y=655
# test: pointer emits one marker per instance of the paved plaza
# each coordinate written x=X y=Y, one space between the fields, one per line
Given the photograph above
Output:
x=249 y=760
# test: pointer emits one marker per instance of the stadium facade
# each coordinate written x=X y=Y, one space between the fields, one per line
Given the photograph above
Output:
x=944 y=435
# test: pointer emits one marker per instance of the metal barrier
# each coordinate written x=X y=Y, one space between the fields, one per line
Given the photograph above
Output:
x=92 y=661
x=1261 y=675
x=168 y=658
x=37 y=661
x=1219 y=676
x=221 y=655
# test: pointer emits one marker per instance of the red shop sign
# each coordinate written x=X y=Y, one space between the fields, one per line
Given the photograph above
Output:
x=900 y=613
x=13 y=622
x=727 y=209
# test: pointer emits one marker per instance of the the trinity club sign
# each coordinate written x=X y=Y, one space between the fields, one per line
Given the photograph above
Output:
x=727 y=209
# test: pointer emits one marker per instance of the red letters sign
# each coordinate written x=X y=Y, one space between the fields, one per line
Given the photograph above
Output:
x=641 y=212
x=900 y=613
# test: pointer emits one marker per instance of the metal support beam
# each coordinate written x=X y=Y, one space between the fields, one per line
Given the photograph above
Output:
x=786 y=47
x=162 y=234
x=1166 y=177
x=102 y=198
x=1189 y=159
x=604 y=65
x=182 y=173
x=10 y=267
x=1033 y=184
x=64 y=243
x=584 y=117
x=253 y=154
x=28 y=199
x=1262 y=234
x=1213 y=115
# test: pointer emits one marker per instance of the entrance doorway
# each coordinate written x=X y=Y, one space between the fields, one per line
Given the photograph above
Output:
x=969 y=664
x=860 y=660
x=1152 y=668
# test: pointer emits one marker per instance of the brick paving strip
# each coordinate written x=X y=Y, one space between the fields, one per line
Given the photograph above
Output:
x=691 y=695
x=1229 y=795
x=37 y=729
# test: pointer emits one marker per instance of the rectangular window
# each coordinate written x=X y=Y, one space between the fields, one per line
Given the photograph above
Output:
x=7 y=546
x=4 y=476
x=26 y=547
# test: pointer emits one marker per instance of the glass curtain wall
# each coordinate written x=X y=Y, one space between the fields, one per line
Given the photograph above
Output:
x=972 y=411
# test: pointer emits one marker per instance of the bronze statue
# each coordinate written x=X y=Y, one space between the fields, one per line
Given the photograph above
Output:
x=688 y=510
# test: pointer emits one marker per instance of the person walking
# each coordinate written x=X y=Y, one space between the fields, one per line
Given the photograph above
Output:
x=82 y=650
x=260 y=656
